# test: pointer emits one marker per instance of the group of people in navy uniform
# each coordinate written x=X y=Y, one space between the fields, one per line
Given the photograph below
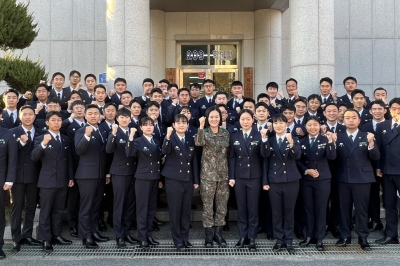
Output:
x=292 y=164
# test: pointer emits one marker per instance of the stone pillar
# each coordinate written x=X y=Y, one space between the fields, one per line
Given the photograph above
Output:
x=267 y=48
x=128 y=42
x=157 y=42
x=312 y=43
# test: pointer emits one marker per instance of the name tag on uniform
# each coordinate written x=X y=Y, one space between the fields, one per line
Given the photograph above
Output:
x=363 y=143
x=322 y=146
x=254 y=143
x=122 y=141
x=2 y=141
x=236 y=143
x=146 y=149
x=177 y=148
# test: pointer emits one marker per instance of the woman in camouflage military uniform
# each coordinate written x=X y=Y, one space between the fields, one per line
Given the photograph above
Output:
x=213 y=174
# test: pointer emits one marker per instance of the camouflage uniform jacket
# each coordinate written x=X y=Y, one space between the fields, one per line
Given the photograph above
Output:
x=214 y=159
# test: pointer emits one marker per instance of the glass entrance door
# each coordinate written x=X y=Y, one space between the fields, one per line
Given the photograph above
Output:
x=222 y=77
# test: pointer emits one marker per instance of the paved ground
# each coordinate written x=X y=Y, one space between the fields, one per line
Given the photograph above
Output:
x=165 y=254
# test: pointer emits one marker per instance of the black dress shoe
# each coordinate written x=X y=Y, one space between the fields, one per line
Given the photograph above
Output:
x=101 y=225
x=180 y=247
x=387 y=240
x=252 y=245
x=99 y=238
x=89 y=243
x=2 y=254
x=364 y=243
x=342 y=242
x=299 y=234
x=376 y=227
x=121 y=243
x=131 y=240
x=16 y=246
x=158 y=222
x=240 y=243
x=307 y=241
x=270 y=236
x=31 y=241
x=59 y=240
x=319 y=245
x=156 y=228
x=226 y=227
x=277 y=247
x=188 y=244
x=144 y=244
x=290 y=249
x=47 y=246
x=73 y=231
x=152 y=242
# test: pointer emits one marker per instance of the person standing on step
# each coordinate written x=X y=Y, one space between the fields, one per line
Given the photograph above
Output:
x=181 y=171
x=214 y=186
x=248 y=146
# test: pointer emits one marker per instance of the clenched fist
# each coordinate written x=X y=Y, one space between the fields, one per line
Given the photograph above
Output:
x=88 y=131
x=169 y=132
x=46 y=139
x=24 y=138
x=264 y=133
x=289 y=138
x=132 y=132
x=370 y=138
x=114 y=129
x=202 y=121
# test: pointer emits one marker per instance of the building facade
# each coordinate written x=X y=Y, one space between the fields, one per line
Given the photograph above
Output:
x=255 y=41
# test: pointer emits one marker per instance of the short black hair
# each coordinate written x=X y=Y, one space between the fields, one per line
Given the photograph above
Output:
x=353 y=110
x=56 y=74
x=110 y=104
x=185 y=107
x=155 y=90
x=172 y=85
x=249 y=100
x=380 y=89
x=279 y=117
x=349 y=78
x=77 y=102
x=42 y=85
x=51 y=113
x=332 y=104
x=74 y=92
x=99 y=86
x=208 y=81
x=222 y=105
x=180 y=117
x=379 y=102
x=237 y=83
x=313 y=97
x=207 y=114
x=272 y=84
x=291 y=79
x=357 y=91
x=54 y=100
x=145 y=120
x=394 y=100
x=326 y=79
x=152 y=103
x=246 y=111
x=90 y=75
x=74 y=72
x=148 y=80
x=263 y=104
x=12 y=91
x=289 y=108
x=164 y=81
x=183 y=89
x=263 y=95
x=27 y=107
x=221 y=92
x=126 y=92
x=134 y=101
x=313 y=117
x=90 y=106
x=119 y=80
x=123 y=112
x=195 y=85
x=299 y=100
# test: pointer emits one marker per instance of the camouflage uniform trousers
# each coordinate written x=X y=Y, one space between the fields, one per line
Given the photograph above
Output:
x=220 y=191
